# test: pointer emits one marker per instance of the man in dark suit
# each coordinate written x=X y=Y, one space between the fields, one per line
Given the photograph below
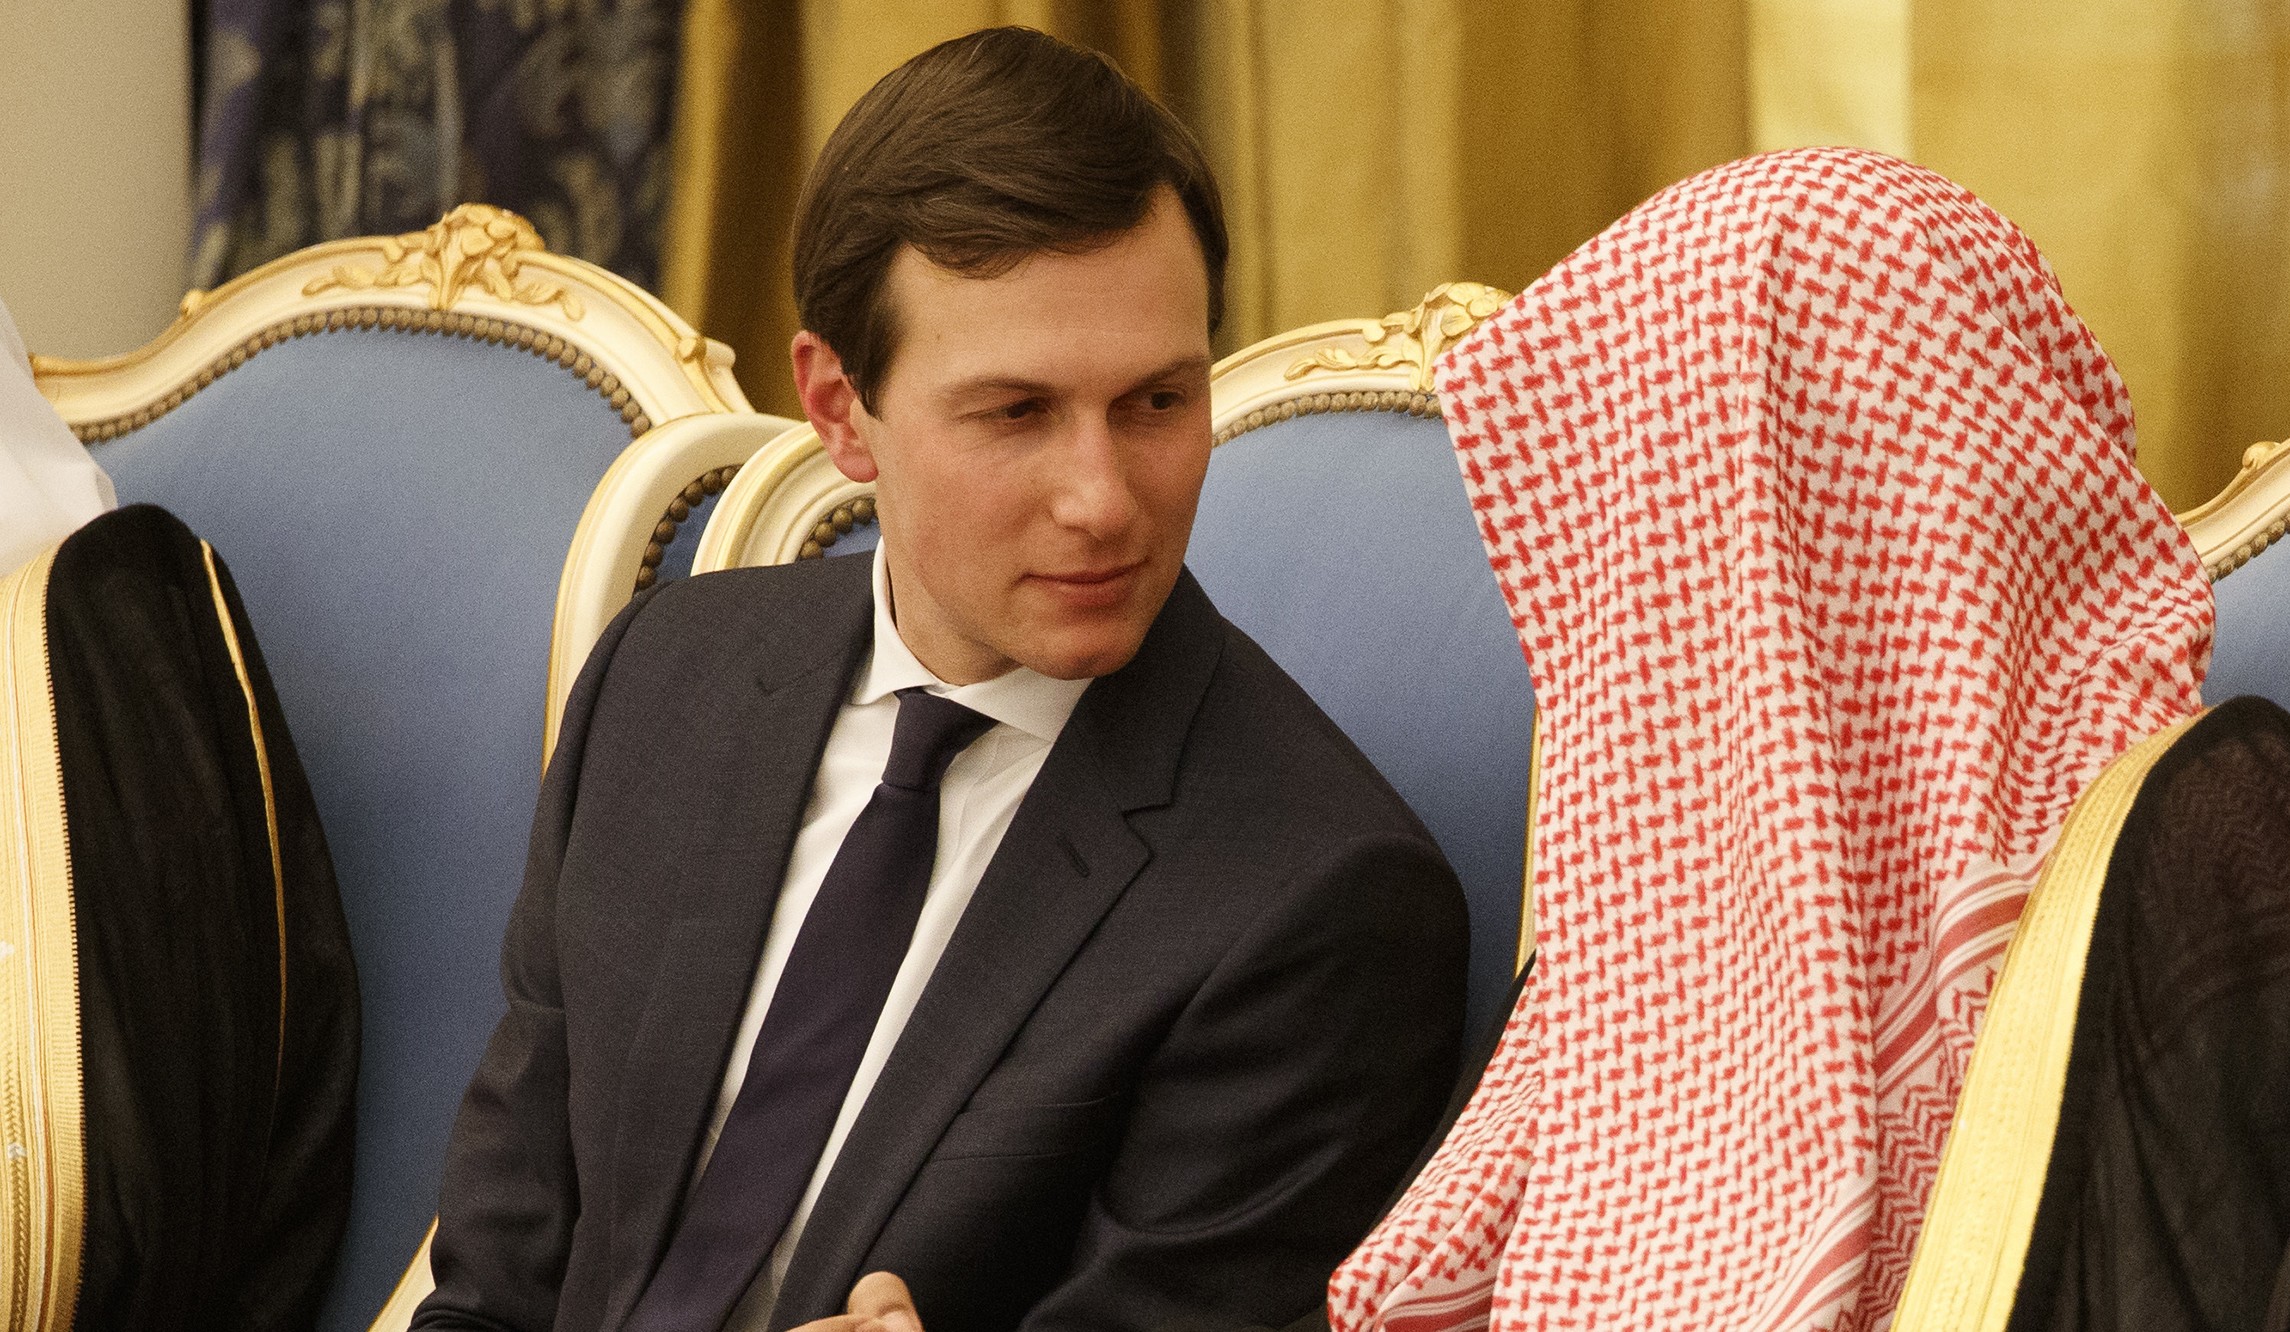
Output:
x=989 y=912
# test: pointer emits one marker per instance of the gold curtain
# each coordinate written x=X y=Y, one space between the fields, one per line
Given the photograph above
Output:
x=1372 y=148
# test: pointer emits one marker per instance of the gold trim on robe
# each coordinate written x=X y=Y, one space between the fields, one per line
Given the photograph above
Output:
x=269 y=795
x=1965 y=1273
x=43 y=1144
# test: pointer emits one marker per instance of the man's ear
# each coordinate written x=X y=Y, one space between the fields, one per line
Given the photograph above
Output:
x=831 y=400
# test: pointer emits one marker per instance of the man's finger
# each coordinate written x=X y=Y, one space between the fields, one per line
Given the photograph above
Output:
x=839 y=1323
x=882 y=1297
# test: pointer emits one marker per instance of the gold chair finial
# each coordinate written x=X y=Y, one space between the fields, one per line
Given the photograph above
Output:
x=475 y=245
x=1412 y=339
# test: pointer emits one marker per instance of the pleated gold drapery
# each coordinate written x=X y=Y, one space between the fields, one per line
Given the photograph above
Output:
x=1371 y=148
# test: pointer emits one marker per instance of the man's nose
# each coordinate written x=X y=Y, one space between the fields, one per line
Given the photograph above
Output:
x=1093 y=493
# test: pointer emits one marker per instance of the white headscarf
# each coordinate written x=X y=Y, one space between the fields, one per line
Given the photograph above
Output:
x=48 y=484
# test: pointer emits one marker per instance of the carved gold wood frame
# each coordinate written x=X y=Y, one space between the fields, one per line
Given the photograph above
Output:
x=2250 y=514
x=1349 y=364
x=478 y=272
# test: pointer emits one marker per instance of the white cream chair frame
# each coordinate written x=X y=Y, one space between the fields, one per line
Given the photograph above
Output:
x=638 y=508
x=2250 y=514
x=482 y=273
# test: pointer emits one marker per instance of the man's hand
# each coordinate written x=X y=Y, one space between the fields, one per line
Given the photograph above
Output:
x=879 y=1303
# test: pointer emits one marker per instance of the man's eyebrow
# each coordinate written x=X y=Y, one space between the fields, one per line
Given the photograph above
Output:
x=996 y=385
x=1182 y=366
x=981 y=386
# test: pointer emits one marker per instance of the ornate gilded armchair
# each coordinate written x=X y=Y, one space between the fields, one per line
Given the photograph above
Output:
x=2239 y=533
x=1335 y=531
x=395 y=441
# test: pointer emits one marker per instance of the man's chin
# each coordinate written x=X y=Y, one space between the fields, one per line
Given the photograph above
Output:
x=1088 y=667
x=1083 y=656
x=1069 y=643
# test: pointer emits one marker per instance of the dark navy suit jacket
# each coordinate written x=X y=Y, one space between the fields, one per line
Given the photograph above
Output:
x=1195 y=1024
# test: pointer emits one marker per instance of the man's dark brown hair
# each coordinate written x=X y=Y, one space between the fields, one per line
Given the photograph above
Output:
x=979 y=152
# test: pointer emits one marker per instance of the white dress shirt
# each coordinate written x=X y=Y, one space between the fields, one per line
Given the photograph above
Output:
x=976 y=800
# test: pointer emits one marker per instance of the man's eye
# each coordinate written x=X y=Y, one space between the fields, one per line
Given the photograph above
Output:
x=1019 y=411
x=1164 y=400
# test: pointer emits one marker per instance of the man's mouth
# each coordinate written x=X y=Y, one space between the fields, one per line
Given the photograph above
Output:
x=1090 y=587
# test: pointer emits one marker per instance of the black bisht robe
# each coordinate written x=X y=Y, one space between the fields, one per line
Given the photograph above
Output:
x=217 y=1006
x=2166 y=1198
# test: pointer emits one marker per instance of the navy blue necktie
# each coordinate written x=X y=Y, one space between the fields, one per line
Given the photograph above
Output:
x=821 y=1017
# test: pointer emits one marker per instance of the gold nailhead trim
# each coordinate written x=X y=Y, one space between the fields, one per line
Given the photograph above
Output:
x=711 y=482
x=836 y=525
x=498 y=332
x=1417 y=403
x=2249 y=550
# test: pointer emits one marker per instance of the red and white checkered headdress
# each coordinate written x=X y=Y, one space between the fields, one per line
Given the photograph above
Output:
x=1815 y=508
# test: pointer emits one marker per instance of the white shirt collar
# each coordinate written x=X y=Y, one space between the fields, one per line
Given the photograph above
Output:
x=1021 y=698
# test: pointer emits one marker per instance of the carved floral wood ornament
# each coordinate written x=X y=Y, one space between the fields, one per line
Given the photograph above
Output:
x=475 y=245
x=1412 y=339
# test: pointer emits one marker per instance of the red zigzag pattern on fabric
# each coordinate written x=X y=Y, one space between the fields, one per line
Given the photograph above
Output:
x=1815 y=508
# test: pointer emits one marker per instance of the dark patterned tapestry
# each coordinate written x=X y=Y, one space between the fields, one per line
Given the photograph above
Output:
x=327 y=118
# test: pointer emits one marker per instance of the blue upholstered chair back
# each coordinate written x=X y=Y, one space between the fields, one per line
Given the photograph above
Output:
x=2241 y=535
x=397 y=510
x=1335 y=531
x=396 y=503
x=2251 y=654
x=1343 y=544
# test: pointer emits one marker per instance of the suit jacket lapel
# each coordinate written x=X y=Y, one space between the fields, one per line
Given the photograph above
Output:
x=1067 y=857
x=760 y=747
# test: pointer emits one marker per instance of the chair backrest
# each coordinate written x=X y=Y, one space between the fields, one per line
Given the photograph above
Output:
x=642 y=526
x=1334 y=530
x=392 y=441
x=789 y=503
x=2239 y=534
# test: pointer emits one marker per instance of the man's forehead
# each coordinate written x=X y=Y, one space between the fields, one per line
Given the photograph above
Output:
x=1136 y=308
